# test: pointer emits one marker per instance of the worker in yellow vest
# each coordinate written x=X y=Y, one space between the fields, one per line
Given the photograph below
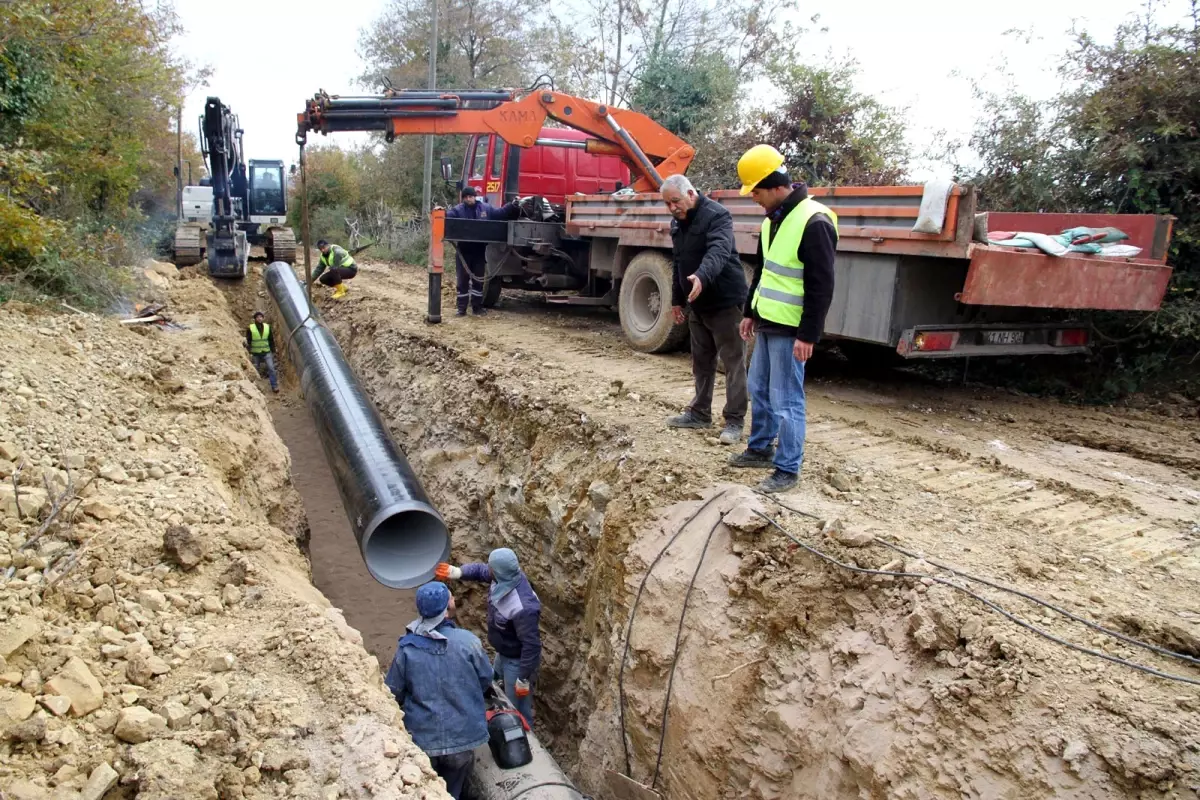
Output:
x=786 y=307
x=260 y=342
x=335 y=266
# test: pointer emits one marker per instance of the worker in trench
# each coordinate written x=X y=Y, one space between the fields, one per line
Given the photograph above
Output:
x=438 y=676
x=513 y=614
x=709 y=279
x=470 y=261
x=260 y=343
x=788 y=300
x=335 y=267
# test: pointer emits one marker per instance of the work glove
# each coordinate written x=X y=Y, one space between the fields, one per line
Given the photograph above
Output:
x=445 y=571
x=521 y=688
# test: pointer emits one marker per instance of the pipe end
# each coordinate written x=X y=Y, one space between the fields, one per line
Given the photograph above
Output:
x=402 y=549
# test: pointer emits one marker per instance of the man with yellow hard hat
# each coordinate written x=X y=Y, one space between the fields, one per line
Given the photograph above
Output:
x=789 y=298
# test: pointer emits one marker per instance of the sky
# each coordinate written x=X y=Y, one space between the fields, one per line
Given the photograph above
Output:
x=268 y=56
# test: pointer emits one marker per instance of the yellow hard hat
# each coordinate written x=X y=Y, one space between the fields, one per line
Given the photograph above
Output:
x=757 y=163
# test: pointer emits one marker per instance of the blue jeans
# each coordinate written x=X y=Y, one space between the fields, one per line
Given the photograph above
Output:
x=777 y=401
x=269 y=360
x=509 y=669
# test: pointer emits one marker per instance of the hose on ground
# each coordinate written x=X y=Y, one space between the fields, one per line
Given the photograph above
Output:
x=998 y=609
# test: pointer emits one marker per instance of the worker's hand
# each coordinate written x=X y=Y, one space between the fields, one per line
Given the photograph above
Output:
x=697 y=287
x=444 y=571
x=521 y=688
x=746 y=329
x=802 y=351
x=680 y=317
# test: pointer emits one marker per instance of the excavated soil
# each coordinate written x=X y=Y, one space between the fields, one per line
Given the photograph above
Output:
x=538 y=429
x=160 y=636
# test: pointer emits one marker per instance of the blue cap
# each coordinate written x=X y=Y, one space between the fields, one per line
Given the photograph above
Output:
x=432 y=599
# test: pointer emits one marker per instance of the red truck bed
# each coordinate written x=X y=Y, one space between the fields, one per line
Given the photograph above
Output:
x=879 y=219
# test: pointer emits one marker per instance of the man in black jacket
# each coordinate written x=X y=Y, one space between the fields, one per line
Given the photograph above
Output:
x=708 y=277
x=788 y=301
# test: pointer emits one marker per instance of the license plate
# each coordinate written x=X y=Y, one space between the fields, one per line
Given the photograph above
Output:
x=1004 y=337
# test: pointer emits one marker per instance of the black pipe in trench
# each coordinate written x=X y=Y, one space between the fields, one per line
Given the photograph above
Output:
x=401 y=537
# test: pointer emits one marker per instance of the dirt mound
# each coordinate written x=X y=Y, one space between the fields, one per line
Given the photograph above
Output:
x=798 y=678
x=158 y=628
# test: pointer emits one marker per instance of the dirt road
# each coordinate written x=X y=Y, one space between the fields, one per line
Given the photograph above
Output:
x=514 y=417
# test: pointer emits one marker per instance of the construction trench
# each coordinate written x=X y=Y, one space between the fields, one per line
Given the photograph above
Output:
x=789 y=676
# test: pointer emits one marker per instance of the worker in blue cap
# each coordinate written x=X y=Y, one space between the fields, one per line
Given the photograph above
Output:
x=439 y=675
x=514 y=611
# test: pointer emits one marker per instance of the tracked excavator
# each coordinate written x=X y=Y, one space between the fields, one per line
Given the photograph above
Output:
x=248 y=206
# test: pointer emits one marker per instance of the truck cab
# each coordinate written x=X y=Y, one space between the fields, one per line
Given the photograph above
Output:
x=501 y=173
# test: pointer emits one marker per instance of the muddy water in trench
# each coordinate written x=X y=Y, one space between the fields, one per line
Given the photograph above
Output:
x=378 y=612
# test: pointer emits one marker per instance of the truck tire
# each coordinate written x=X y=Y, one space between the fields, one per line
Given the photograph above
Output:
x=491 y=292
x=645 y=305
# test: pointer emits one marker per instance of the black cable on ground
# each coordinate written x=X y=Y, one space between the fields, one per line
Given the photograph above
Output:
x=633 y=615
x=1031 y=598
x=1162 y=651
x=662 y=738
x=1008 y=615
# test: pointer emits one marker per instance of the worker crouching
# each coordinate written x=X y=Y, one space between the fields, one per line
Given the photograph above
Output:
x=335 y=266
x=514 y=612
x=438 y=676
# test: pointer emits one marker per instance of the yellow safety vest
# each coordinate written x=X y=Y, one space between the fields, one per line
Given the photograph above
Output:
x=780 y=294
x=260 y=342
x=327 y=258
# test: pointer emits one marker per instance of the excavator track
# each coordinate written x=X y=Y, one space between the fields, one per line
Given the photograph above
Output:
x=188 y=247
x=281 y=245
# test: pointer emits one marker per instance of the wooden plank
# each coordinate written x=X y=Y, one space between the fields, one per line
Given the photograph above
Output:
x=623 y=788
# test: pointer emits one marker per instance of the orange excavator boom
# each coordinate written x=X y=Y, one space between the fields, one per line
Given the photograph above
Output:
x=652 y=152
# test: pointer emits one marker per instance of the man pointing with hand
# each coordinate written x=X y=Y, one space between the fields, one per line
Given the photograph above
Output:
x=789 y=298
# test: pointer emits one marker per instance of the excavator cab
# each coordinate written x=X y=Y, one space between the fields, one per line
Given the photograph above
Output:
x=268 y=195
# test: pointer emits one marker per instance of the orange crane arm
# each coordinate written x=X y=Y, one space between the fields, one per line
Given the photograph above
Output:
x=652 y=152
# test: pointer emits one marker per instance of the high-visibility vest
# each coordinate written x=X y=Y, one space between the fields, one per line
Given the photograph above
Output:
x=327 y=258
x=260 y=341
x=780 y=294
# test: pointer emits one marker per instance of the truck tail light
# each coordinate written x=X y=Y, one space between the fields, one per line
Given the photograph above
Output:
x=1073 y=337
x=925 y=342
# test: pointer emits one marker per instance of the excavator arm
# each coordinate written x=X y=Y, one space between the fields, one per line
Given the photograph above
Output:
x=652 y=152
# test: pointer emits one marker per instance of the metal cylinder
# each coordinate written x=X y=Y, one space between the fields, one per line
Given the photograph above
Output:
x=400 y=535
x=434 y=313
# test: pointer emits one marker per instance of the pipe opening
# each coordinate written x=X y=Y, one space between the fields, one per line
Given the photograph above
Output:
x=402 y=550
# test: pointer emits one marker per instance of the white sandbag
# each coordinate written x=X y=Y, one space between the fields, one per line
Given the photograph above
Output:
x=932 y=215
x=1119 y=250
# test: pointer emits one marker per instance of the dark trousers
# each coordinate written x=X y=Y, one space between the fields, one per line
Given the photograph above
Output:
x=335 y=275
x=715 y=334
x=469 y=268
x=454 y=770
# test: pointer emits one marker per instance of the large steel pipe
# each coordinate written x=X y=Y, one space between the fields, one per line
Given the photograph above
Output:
x=400 y=535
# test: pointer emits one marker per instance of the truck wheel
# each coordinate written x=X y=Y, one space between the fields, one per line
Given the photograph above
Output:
x=645 y=305
x=491 y=292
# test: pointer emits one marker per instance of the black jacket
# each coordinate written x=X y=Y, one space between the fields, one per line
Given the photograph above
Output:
x=702 y=245
x=818 y=247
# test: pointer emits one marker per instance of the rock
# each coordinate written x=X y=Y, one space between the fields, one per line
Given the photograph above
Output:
x=177 y=715
x=182 y=546
x=32 y=501
x=162 y=268
x=231 y=595
x=222 y=662
x=138 y=439
x=121 y=433
x=391 y=749
x=744 y=517
x=154 y=600
x=136 y=725
x=31 y=730
x=103 y=595
x=56 y=704
x=600 y=493
x=15 y=633
x=841 y=482
x=15 y=707
x=1030 y=565
x=114 y=472
x=215 y=689
x=931 y=629
x=410 y=773
x=211 y=605
x=9 y=451
x=850 y=537
x=25 y=790
x=101 y=510
x=142 y=669
x=99 y=782
x=24 y=391
x=7 y=468
x=1074 y=750
x=77 y=683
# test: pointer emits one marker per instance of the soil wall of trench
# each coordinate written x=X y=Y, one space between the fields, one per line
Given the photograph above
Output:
x=795 y=678
x=160 y=636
